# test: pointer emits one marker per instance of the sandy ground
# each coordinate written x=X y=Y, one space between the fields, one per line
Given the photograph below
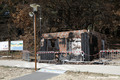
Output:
x=8 y=73
x=85 y=76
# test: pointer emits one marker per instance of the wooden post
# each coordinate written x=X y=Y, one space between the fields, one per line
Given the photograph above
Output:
x=35 y=50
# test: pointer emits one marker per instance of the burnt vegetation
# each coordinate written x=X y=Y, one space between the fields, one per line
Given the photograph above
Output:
x=58 y=15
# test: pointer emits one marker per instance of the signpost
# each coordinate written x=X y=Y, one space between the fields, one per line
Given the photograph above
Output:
x=4 y=46
x=16 y=45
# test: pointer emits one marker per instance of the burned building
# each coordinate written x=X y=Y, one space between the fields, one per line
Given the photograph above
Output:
x=77 y=41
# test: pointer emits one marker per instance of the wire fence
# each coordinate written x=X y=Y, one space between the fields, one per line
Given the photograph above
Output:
x=109 y=54
x=68 y=56
x=65 y=56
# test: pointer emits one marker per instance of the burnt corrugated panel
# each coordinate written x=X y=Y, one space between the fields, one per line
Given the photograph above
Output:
x=93 y=46
x=100 y=37
x=62 y=44
x=57 y=44
x=96 y=43
x=44 y=45
x=85 y=45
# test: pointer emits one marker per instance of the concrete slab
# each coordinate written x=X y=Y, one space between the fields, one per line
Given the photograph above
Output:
x=52 y=71
x=37 y=76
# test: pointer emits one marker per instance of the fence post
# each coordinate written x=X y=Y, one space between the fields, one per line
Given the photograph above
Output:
x=100 y=55
x=111 y=55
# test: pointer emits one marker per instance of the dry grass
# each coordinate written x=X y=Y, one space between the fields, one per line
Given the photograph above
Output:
x=8 y=73
x=85 y=76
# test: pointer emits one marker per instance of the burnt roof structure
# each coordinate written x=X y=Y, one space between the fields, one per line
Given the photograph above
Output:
x=66 y=34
